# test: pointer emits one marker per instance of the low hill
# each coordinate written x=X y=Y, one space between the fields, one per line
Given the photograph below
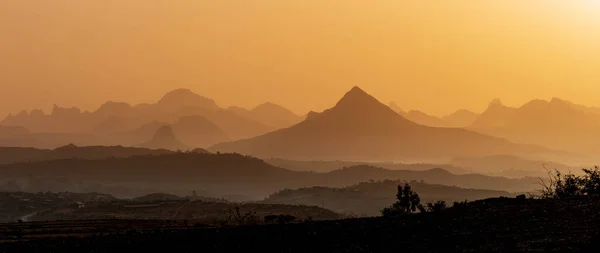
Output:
x=509 y=166
x=328 y=166
x=368 y=198
x=232 y=174
x=19 y=155
x=164 y=138
x=12 y=131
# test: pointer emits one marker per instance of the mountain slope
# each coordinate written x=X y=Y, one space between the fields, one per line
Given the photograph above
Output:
x=359 y=127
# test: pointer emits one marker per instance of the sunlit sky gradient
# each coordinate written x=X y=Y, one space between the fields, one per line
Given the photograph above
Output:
x=436 y=56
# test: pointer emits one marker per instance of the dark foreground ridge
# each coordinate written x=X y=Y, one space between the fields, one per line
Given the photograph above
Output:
x=492 y=225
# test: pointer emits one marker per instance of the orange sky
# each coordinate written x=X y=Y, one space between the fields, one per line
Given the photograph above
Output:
x=437 y=56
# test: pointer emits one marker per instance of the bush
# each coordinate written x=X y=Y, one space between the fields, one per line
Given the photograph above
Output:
x=568 y=185
x=408 y=202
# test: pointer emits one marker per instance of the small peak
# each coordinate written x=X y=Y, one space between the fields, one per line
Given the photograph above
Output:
x=439 y=171
x=66 y=147
x=180 y=98
x=357 y=89
x=180 y=92
x=356 y=96
x=311 y=115
x=496 y=102
x=555 y=100
x=165 y=131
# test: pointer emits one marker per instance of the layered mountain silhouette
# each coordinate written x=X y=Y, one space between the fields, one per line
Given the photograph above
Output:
x=11 y=131
x=509 y=166
x=199 y=131
x=115 y=118
x=460 y=118
x=424 y=119
x=226 y=174
x=196 y=131
x=25 y=155
x=164 y=138
x=557 y=124
x=361 y=127
x=269 y=114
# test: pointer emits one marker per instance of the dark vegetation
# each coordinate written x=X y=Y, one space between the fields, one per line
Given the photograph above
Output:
x=158 y=206
x=491 y=225
x=368 y=198
x=559 y=185
x=328 y=166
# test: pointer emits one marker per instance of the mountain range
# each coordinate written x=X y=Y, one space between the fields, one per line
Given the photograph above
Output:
x=109 y=124
x=219 y=174
x=359 y=127
x=556 y=124
x=458 y=119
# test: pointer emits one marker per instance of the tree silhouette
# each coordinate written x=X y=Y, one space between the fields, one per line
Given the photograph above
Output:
x=408 y=202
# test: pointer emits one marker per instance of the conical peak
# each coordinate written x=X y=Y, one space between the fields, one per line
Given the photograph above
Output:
x=496 y=102
x=357 y=97
x=163 y=132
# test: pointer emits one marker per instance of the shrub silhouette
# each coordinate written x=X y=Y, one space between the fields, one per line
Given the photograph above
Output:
x=561 y=185
x=437 y=206
x=408 y=202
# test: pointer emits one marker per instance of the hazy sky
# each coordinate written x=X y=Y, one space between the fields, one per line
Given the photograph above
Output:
x=437 y=56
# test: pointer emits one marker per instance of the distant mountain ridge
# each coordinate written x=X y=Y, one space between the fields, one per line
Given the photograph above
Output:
x=359 y=127
x=115 y=118
x=458 y=119
x=225 y=174
x=557 y=124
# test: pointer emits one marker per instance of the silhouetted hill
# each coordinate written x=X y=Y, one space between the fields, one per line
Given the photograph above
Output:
x=164 y=138
x=236 y=126
x=460 y=118
x=328 y=166
x=368 y=198
x=269 y=114
x=10 y=155
x=12 y=131
x=182 y=98
x=557 y=124
x=359 y=127
x=509 y=166
x=198 y=131
x=422 y=118
x=274 y=115
x=230 y=174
